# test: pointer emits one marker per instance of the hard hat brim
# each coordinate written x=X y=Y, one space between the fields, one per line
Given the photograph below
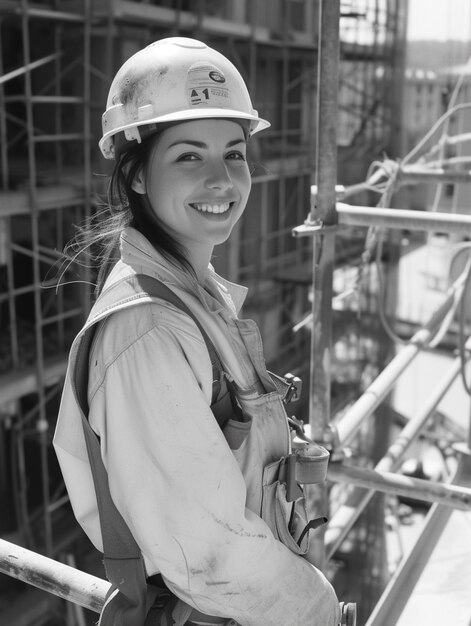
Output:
x=258 y=123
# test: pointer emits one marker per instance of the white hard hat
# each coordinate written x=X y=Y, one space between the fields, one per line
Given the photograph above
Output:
x=174 y=79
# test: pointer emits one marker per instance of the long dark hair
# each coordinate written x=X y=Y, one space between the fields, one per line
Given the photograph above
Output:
x=98 y=241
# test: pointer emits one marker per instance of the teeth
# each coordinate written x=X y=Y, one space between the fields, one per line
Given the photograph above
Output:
x=212 y=208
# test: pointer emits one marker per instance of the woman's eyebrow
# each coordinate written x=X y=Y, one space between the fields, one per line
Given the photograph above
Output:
x=201 y=144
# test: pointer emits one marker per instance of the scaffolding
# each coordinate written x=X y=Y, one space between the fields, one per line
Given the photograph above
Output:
x=57 y=59
x=46 y=186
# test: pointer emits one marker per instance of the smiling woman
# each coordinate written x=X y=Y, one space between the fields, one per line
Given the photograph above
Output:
x=172 y=436
x=197 y=183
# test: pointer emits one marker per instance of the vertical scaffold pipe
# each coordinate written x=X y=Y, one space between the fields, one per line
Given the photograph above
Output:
x=323 y=211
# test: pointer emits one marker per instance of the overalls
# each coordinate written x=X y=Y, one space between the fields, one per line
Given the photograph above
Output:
x=253 y=421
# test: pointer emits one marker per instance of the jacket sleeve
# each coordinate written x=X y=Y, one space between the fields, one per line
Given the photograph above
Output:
x=179 y=488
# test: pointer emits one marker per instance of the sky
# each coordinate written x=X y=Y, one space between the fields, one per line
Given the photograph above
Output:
x=439 y=19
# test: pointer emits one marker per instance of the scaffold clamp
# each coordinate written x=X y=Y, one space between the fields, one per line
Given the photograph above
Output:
x=316 y=227
x=348 y=614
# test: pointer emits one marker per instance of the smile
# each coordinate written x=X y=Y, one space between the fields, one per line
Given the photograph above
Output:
x=204 y=207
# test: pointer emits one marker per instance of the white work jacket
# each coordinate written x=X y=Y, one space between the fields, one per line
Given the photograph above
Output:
x=172 y=474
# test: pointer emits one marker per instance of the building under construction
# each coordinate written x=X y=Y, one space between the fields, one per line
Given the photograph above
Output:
x=57 y=61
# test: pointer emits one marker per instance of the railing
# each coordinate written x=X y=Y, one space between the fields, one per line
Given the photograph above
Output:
x=52 y=576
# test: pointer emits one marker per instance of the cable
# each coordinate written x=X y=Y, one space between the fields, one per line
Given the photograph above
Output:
x=453 y=111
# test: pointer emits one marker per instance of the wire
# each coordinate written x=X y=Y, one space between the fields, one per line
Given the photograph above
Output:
x=449 y=113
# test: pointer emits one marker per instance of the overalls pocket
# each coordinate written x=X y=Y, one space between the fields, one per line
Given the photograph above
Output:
x=286 y=520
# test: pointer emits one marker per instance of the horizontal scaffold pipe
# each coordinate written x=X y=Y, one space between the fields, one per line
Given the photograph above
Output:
x=389 y=482
x=412 y=174
x=52 y=576
x=349 y=215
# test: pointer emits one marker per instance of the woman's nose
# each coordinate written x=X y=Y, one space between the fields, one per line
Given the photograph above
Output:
x=218 y=176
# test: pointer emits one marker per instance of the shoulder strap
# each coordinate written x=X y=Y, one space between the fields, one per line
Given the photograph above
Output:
x=122 y=556
x=131 y=291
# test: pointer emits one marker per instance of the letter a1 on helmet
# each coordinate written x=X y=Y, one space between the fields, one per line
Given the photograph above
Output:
x=173 y=80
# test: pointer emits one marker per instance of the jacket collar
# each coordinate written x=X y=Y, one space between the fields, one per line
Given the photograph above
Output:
x=138 y=253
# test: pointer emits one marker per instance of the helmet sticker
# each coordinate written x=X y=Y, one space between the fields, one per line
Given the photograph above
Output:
x=206 y=86
x=217 y=76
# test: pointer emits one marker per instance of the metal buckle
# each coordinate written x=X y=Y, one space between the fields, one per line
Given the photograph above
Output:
x=293 y=393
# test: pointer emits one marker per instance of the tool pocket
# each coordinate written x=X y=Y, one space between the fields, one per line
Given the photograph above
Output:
x=286 y=520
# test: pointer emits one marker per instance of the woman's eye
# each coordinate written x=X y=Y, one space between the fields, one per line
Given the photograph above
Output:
x=188 y=157
x=236 y=156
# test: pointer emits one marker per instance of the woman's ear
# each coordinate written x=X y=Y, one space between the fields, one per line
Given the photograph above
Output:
x=139 y=183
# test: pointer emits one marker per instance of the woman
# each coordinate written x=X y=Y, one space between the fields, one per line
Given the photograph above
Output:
x=204 y=498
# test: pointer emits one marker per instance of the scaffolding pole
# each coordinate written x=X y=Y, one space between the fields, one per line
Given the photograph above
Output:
x=383 y=384
x=343 y=519
x=403 y=218
x=52 y=576
x=402 y=584
x=399 y=485
x=353 y=215
x=323 y=252
x=42 y=422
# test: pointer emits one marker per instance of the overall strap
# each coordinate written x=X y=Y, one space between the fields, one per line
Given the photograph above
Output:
x=137 y=289
x=122 y=556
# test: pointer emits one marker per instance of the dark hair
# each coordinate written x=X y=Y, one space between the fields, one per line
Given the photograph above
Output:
x=141 y=215
x=96 y=244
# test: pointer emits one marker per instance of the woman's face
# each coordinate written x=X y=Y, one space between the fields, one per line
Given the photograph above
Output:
x=197 y=180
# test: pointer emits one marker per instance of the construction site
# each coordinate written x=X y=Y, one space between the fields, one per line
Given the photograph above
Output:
x=355 y=247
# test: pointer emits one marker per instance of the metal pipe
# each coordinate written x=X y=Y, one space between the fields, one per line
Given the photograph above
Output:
x=411 y=174
x=343 y=520
x=389 y=482
x=28 y=67
x=52 y=576
x=324 y=210
x=402 y=584
x=413 y=428
x=401 y=218
x=382 y=385
x=58 y=137
x=327 y=108
x=322 y=263
x=87 y=159
x=35 y=239
x=48 y=14
x=403 y=581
